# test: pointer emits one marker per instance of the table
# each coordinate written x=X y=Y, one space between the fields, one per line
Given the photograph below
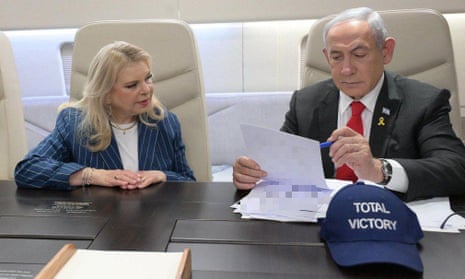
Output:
x=35 y=224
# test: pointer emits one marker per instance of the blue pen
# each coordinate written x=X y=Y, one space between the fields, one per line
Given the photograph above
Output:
x=326 y=144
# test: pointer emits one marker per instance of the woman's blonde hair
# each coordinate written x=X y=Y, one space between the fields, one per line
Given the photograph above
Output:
x=103 y=71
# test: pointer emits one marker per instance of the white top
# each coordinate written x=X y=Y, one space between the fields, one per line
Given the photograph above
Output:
x=126 y=136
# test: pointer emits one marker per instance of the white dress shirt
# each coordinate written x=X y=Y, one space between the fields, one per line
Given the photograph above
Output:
x=399 y=179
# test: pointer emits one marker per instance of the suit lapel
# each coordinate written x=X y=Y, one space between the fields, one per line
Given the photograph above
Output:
x=327 y=122
x=384 y=116
x=148 y=137
x=111 y=156
x=327 y=115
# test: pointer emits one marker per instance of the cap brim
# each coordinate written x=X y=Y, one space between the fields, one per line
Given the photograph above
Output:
x=370 y=252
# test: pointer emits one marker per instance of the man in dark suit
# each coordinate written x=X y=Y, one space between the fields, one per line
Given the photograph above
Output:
x=405 y=141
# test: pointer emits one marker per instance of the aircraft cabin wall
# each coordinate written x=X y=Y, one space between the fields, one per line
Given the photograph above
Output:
x=30 y=14
x=249 y=50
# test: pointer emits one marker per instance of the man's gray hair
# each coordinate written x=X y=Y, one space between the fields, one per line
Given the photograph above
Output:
x=375 y=21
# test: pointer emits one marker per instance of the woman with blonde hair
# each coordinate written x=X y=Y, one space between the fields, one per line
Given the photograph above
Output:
x=117 y=135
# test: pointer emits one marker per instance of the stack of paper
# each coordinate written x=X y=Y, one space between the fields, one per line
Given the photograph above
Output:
x=295 y=189
x=287 y=202
x=436 y=215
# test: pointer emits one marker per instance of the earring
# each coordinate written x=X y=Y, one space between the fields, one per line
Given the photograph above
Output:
x=108 y=110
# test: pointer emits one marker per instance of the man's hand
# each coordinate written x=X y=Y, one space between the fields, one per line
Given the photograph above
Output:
x=246 y=173
x=351 y=148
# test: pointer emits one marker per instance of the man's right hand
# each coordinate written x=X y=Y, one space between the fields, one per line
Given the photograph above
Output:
x=246 y=173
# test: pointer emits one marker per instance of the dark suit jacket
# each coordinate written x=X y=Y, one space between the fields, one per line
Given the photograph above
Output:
x=416 y=132
x=60 y=154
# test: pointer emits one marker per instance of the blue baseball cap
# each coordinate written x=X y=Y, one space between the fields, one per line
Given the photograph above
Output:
x=367 y=224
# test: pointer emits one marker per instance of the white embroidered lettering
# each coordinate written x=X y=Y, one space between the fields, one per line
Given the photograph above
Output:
x=372 y=223
x=367 y=207
x=352 y=223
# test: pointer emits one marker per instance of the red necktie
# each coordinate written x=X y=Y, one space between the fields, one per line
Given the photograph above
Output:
x=355 y=122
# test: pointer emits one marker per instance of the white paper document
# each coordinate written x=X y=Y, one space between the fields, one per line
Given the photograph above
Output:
x=287 y=202
x=285 y=157
x=436 y=215
x=295 y=188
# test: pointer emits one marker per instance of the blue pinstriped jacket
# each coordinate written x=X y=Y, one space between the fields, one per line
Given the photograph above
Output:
x=60 y=154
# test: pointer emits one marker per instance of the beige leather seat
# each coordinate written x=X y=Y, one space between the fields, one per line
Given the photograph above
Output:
x=423 y=51
x=13 y=145
x=177 y=74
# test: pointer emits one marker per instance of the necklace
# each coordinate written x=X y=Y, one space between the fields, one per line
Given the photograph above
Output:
x=124 y=130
